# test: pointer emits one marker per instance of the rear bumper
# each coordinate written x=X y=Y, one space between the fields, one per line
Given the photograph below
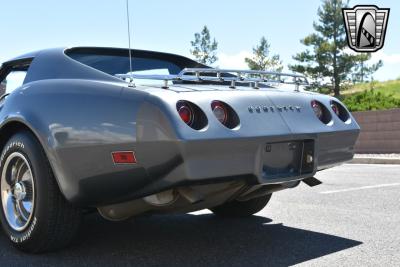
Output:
x=336 y=148
x=168 y=164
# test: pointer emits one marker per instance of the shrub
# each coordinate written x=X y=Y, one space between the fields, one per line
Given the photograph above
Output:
x=371 y=100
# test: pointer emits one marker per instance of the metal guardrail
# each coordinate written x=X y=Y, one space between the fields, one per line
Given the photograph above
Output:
x=254 y=77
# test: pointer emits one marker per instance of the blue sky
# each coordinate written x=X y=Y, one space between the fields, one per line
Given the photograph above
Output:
x=169 y=26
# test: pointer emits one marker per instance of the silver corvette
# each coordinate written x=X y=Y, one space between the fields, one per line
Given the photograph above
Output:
x=85 y=129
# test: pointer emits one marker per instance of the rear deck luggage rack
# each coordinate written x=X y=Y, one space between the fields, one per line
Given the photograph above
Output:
x=232 y=76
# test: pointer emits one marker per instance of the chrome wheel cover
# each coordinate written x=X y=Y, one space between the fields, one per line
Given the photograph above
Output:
x=17 y=191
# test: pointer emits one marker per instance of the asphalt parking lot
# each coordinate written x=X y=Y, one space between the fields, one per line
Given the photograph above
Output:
x=352 y=219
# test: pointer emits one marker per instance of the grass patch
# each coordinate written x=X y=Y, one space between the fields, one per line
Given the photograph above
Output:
x=387 y=88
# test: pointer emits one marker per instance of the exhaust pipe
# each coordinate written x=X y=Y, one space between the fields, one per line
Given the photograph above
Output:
x=266 y=190
x=312 y=181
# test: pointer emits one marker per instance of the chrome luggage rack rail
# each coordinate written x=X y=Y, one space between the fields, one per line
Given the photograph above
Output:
x=253 y=77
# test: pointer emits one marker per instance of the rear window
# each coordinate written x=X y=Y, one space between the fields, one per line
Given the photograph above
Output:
x=116 y=61
x=115 y=64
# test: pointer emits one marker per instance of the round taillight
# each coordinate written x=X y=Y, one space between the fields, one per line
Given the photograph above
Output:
x=186 y=114
x=340 y=111
x=225 y=114
x=220 y=111
x=335 y=109
x=322 y=113
x=191 y=114
x=317 y=109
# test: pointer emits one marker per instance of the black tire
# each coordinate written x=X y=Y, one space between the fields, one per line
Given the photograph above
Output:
x=53 y=222
x=237 y=208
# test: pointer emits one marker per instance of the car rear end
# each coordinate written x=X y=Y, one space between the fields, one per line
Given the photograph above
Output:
x=269 y=136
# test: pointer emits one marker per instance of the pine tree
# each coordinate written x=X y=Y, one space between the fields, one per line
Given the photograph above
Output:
x=204 y=50
x=327 y=56
x=363 y=71
x=262 y=60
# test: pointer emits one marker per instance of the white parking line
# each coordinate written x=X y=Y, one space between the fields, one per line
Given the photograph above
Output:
x=372 y=165
x=359 y=188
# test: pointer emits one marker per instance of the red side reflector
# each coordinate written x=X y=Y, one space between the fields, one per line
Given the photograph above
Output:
x=124 y=157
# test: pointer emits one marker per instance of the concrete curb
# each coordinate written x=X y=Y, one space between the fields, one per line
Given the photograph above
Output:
x=375 y=160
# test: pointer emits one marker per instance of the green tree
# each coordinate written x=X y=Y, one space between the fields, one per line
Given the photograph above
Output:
x=204 y=50
x=262 y=60
x=327 y=56
x=362 y=71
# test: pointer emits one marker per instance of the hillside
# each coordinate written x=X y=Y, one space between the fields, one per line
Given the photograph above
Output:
x=372 y=96
x=388 y=87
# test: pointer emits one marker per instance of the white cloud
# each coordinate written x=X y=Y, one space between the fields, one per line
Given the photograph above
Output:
x=386 y=58
x=233 y=61
x=379 y=55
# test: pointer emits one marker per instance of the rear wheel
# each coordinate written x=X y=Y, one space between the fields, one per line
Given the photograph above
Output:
x=33 y=213
x=237 y=208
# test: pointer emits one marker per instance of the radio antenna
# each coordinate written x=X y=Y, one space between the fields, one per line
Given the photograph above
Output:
x=131 y=83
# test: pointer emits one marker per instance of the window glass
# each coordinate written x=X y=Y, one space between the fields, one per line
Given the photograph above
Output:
x=13 y=80
x=120 y=64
